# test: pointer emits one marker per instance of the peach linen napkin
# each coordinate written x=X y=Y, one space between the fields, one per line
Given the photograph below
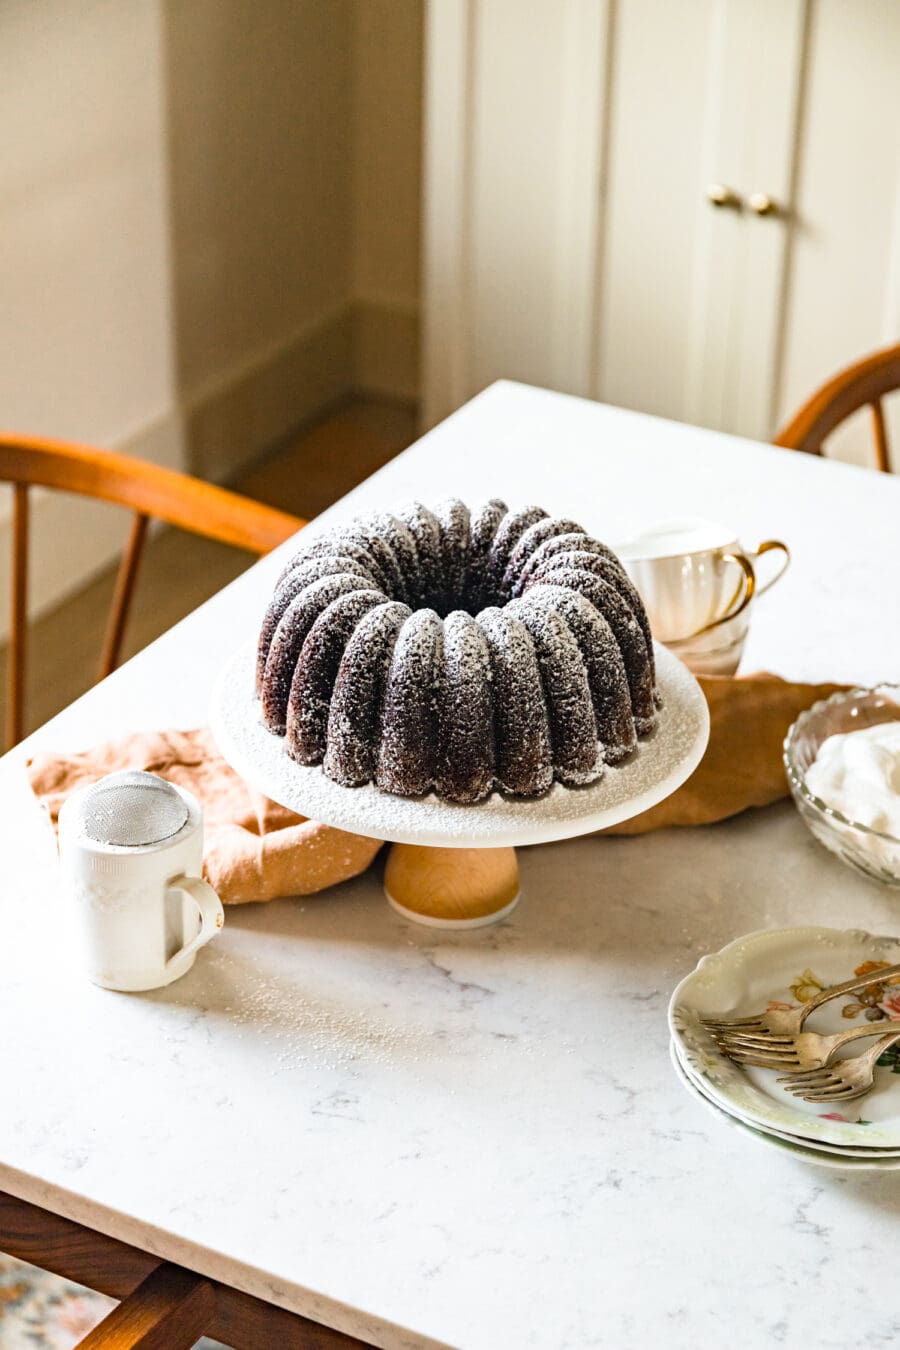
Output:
x=253 y=849
x=257 y=850
x=749 y=716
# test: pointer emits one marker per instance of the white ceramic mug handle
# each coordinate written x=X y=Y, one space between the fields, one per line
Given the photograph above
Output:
x=766 y=547
x=212 y=915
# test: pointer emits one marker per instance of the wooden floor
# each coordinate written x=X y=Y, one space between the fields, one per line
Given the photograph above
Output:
x=179 y=571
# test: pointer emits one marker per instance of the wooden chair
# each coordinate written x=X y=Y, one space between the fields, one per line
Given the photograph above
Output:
x=152 y=493
x=164 y=1306
x=865 y=382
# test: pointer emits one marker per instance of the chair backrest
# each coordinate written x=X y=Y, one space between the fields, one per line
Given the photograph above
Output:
x=864 y=383
x=151 y=492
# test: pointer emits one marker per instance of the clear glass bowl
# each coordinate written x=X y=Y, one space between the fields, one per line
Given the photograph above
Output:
x=875 y=854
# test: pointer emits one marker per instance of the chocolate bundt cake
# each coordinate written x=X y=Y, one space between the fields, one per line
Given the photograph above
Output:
x=458 y=652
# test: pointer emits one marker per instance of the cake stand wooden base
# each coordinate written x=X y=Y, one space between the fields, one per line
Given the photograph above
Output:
x=452 y=887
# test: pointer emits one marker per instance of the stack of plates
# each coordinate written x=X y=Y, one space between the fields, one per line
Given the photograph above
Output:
x=789 y=966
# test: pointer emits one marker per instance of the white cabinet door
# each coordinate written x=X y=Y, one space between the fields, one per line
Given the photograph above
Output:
x=843 y=293
x=653 y=203
x=513 y=158
x=691 y=300
x=569 y=238
x=754 y=77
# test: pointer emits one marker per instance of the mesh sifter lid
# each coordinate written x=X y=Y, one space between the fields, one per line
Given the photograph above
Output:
x=131 y=808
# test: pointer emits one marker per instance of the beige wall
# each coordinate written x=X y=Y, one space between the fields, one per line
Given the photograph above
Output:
x=85 y=320
x=387 y=149
x=208 y=230
x=83 y=227
x=259 y=99
x=387 y=137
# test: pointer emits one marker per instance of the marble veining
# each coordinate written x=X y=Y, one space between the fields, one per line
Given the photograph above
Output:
x=471 y=1140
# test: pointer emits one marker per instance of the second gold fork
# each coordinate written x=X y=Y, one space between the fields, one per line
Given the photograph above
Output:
x=806 y=1050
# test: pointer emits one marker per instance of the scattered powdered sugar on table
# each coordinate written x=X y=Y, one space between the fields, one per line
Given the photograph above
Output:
x=315 y=1031
x=663 y=761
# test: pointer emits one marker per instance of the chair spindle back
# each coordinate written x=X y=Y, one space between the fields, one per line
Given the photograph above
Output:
x=151 y=492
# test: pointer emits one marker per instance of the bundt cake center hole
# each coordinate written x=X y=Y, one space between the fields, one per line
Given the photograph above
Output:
x=443 y=603
x=443 y=606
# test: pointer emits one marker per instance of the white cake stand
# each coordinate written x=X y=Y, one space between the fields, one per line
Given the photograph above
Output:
x=454 y=866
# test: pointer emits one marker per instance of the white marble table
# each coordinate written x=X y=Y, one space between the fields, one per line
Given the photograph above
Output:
x=428 y=1139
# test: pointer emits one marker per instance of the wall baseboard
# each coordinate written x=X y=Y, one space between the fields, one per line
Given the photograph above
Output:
x=229 y=425
x=386 y=349
x=366 y=346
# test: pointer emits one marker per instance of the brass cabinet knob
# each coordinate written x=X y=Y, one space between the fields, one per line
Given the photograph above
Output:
x=762 y=204
x=721 y=195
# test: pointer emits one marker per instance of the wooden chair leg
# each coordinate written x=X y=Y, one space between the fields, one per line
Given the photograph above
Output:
x=170 y=1310
x=125 y=580
x=18 y=620
x=882 y=453
x=78 y=1253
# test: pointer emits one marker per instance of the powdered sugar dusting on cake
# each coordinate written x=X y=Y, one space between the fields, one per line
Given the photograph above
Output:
x=326 y=556
x=303 y=572
x=528 y=541
x=559 y=543
x=287 y=642
x=610 y=570
x=529 y=688
x=603 y=663
x=453 y=516
x=577 y=757
x=374 y=528
x=521 y=724
x=465 y=767
x=397 y=538
x=354 y=719
x=626 y=629
x=513 y=526
x=345 y=541
x=407 y=754
x=661 y=763
x=309 y=703
x=484 y=523
x=425 y=529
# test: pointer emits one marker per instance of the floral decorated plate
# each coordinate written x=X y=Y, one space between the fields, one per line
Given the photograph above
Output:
x=838 y=1159
x=816 y=1145
x=786 y=967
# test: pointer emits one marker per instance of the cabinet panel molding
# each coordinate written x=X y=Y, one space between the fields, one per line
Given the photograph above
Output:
x=843 y=297
x=449 y=39
x=569 y=238
x=584 y=119
x=513 y=167
x=754 y=80
x=654 y=202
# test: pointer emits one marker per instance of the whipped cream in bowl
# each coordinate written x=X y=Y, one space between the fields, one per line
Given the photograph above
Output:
x=842 y=759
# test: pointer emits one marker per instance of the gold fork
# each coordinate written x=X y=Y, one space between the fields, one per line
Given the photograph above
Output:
x=790 y=1022
x=847 y=1079
x=803 y=1051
